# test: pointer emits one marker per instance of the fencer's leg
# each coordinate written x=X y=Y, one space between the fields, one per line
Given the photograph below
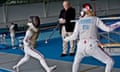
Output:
x=109 y=65
x=40 y=57
x=13 y=41
x=33 y=43
x=103 y=57
x=77 y=60
x=23 y=60
x=16 y=68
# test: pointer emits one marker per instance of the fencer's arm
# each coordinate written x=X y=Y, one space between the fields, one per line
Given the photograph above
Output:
x=35 y=29
x=27 y=38
x=106 y=28
x=12 y=26
x=32 y=27
x=75 y=33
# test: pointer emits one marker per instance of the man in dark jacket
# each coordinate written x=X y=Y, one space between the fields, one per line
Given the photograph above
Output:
x=66 y=27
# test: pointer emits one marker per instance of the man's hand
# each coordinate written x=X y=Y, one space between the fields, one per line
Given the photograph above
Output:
x=61 y=20
x=66 y=39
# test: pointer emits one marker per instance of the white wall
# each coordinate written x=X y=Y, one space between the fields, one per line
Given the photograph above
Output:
x=1 y=14
x=50 y=12
x=54 y=8
x=19 y=12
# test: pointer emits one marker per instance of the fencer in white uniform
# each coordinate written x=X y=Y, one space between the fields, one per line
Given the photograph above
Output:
x=12 y=34
x=30 y=51
x=86 y=30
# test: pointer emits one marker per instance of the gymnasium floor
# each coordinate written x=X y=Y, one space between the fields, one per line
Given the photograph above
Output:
x=51 y=51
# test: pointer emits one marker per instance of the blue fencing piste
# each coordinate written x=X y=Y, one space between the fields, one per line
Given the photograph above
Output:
x=3 y=46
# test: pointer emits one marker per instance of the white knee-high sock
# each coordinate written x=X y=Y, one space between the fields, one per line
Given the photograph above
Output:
x=109 y=66
x=75 y=67
x=44 y=64
x=23 y=60
x=13 y=41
